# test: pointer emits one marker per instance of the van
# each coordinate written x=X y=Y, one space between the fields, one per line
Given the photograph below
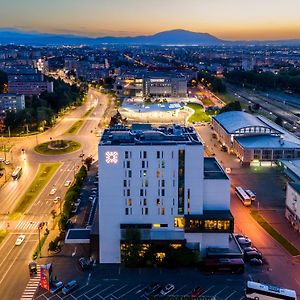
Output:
x=251 y=195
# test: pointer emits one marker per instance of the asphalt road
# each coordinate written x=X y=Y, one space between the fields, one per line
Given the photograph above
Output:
x=14 y=259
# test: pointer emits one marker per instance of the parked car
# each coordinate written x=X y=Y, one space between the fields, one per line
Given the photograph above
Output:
x=237 y=236
x=196 y=292
x=94 y=189
x=84 y=263
x=152 y=289
x=244 y=242
x=2 y=159
x=247 y=249
x=56 y=286
x=256 y=262
x=69 y=287
x=68 y=182
x=53 y=191
x=167 y=289
x=252 y=254
x=7 y=162
x=77 y=202
x=20 y=239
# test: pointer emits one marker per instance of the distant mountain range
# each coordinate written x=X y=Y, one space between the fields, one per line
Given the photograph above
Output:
x=172 y=37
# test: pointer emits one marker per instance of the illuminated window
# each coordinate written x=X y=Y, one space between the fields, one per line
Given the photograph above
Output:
x=217 y=225
x=179 y=222
x=157 y=173
x=157 y=201
x=129 y=202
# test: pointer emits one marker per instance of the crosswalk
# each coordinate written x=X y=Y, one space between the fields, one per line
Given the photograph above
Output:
x=32 y=286
x=19 y=225
x=27 y=225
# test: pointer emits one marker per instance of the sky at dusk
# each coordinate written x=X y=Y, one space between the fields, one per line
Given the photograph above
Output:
x=226 y=19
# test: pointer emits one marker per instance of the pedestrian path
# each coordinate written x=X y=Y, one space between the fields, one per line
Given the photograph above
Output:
x=32 y=286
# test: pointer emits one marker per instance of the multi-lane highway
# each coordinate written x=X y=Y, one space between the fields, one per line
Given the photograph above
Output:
x=289 y=113
x=14 y=259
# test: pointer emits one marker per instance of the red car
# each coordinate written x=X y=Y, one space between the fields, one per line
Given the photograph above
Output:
x=196 y=292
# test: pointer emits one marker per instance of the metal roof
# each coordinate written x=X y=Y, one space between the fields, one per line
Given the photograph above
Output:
x=235 y=120
x=267 y=142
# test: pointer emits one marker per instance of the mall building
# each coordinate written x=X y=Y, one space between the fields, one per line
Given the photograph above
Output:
x=254 y=138
x=157 y=181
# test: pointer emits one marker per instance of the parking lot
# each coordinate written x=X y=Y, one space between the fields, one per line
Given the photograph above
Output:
x=114 y=282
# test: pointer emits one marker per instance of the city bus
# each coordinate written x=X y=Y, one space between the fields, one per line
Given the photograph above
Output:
x=243 y=196
x=256 y=290
x=251 y=195
x=16 y=173
x=231 y=265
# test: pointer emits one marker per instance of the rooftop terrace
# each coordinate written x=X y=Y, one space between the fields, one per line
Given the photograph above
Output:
x=145 y=134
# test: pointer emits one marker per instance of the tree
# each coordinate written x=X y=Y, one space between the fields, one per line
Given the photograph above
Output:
x=88 y=162
x=232 y=106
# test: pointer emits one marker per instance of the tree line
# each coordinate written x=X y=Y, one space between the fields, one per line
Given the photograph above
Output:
x=286 y=80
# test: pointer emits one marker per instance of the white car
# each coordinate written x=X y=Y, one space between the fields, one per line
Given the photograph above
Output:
x=56 y=199
x=53 y=191
x=7 y=162
x=20 y=239
x=167 y=289
x=68 y=182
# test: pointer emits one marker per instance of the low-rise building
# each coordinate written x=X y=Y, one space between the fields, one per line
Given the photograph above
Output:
x=156 y=180
x=254 y=138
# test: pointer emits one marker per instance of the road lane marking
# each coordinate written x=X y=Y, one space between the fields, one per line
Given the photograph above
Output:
x=16 y=257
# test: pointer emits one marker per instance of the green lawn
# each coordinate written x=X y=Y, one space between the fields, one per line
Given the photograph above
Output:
x=86 y=114
x=45 y=173
x=199 y=114
x=43 y=148
x=75 y=127
x=3 y=234
x=275 y=234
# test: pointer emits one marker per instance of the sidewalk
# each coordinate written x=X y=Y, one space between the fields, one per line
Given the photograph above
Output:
x=277 y=220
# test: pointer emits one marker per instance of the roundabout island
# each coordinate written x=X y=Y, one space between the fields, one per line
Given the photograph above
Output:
x=57 y=147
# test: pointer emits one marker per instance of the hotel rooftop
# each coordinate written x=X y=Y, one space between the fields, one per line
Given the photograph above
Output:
x=145 y=134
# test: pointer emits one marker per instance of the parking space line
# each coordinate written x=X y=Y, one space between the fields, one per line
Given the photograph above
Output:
x=208 y=290
x=230 y=295
x=119 y=289
x=104 y=290
x=176 y=291
x=221 y=291
x=130 y=291
x=91 y=289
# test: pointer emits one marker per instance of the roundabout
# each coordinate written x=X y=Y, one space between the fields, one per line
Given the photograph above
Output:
x=57 y=147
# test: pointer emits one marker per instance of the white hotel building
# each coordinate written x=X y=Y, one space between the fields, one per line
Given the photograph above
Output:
x=157 y=180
